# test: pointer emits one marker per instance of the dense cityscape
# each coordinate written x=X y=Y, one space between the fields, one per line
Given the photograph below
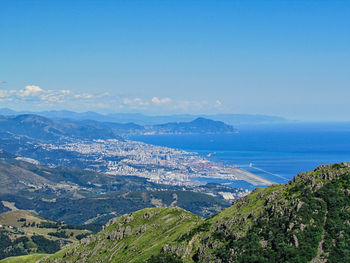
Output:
x=158 y=164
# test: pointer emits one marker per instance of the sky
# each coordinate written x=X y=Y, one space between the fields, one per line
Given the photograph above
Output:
x=283 y=58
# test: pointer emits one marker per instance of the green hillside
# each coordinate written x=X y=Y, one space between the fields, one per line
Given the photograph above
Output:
x=24 y=259
x=22 y=232
x=133 y=237
x=307 y=220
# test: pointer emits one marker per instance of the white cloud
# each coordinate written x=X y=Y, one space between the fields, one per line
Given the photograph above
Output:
x=55 y=96
x=35 y=97
x=90 y=96
x=218 y=104
x=187 y=105
x=30 y=90
x=135 y=103
x=65 y=91
x=3 y=93
x=84 y=96
x=102 y=105
x=36 y=94
x=6 y=94
x=158 y=101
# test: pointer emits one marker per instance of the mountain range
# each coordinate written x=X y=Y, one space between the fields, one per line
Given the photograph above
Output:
x=141 y=119
x=197 y=126
x=43 y=128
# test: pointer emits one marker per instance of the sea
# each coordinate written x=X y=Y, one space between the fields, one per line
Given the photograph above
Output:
x=273 y=151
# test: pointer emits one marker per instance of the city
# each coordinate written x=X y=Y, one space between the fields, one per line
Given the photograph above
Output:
x=158 y=164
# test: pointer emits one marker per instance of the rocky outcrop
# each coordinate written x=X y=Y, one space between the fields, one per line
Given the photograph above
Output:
x=306 y=220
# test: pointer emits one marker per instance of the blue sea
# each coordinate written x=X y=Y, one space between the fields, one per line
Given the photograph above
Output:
x=275 y=151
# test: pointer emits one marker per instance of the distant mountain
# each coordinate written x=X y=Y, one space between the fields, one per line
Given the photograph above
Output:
x=42 y=128
x=197 y=126
x=124 y=129
x=306 y=220
x=141 y=119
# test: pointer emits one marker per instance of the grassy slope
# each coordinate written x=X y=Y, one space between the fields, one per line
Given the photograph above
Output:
x=24 y=259
x=307 y=219
x=19 y=237
x=11 y=218
x=151 y=229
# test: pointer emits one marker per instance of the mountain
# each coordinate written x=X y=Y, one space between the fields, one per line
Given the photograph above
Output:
x=141 y=119
x=197 y=126
x=124 y=129
x=42 y=128
x=306 y=220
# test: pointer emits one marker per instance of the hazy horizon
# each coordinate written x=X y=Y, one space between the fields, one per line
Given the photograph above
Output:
x=275 y=119
x=278 y=58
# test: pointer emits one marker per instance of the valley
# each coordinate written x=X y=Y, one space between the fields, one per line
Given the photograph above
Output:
x=281 y=223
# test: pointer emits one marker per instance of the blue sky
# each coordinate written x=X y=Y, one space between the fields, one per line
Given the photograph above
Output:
x=286 y=58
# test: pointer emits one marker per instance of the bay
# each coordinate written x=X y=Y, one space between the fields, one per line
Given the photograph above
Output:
x=274 y=152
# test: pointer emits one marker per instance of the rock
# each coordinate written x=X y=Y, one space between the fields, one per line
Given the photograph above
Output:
x=142 y=229
x=8 y=249
x=147 y=215
x=260 y=195
x=129 y=219
x=127 y=231
x=291 y=226
x=85 y=241
x=299 y=205
x=263 y=243
x=295 y=240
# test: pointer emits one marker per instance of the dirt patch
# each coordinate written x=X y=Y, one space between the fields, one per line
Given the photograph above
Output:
x=10 y=205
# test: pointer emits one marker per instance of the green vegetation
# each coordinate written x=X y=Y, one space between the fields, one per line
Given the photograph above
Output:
x=97 y=209
x=59 y=234
x=24 y=259
x=25 y=245
x=23 y=233
x=303 y=221
x=134 y=237
x=337 y=230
